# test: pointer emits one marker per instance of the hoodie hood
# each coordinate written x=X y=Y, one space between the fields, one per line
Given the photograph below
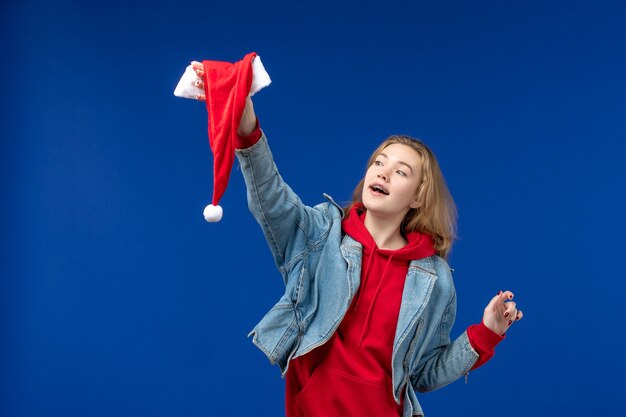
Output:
x=420 y=245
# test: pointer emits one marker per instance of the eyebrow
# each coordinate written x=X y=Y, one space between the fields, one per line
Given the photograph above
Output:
x=400 y=162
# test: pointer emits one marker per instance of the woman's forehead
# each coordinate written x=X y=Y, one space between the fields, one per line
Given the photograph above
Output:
x=402 y=153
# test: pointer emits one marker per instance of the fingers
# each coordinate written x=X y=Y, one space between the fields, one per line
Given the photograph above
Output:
x=510 y=312
x=497 y=302
x=503 y=305
x=198 y=68
x=505 y=296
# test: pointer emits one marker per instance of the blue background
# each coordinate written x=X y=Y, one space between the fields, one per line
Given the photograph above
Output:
x=118 y=299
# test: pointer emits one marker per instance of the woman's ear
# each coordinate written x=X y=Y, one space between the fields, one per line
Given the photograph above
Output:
x=416 y=201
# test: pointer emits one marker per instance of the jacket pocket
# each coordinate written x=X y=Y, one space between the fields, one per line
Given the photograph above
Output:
x=333 y=393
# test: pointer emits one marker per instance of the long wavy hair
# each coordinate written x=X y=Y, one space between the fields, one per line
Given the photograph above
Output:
x=436 y=214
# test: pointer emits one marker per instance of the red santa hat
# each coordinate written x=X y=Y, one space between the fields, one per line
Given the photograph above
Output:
x=226 y=86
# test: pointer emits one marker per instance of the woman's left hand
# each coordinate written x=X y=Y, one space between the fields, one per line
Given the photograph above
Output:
x=501 y=313
x=199 y=69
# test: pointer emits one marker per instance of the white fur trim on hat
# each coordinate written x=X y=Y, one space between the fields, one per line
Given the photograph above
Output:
x=260 y=77
x=186 y=87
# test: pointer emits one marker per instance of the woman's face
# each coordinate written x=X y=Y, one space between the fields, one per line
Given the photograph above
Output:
x=392 y=181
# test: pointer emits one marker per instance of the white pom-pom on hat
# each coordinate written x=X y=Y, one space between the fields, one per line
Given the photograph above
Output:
x=213 y=213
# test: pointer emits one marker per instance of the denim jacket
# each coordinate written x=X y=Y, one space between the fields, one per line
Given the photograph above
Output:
x=321 y=268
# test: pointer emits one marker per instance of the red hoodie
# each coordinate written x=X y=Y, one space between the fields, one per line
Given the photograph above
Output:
x=351 y=373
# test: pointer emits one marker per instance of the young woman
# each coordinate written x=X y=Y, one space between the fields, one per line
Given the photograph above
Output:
x=369 y=302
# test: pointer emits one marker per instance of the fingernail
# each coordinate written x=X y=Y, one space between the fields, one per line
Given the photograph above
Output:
x=500 y=293
x=506 y=314
x=516 y=318
x=510 y=321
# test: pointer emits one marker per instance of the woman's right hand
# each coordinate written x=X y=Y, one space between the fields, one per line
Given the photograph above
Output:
x=248 y=118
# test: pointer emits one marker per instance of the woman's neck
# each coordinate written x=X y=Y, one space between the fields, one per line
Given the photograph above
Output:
x=384 y=231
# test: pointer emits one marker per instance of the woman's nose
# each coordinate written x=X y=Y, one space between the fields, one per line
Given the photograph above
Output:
x=383 y=176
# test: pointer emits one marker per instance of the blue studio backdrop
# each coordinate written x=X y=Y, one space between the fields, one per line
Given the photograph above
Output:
x=118 y=299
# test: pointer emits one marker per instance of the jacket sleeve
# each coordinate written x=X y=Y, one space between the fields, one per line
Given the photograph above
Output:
x=288 y=225
x=446 y=361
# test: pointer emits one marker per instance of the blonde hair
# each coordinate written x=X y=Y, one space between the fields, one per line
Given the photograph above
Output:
x=436 y=214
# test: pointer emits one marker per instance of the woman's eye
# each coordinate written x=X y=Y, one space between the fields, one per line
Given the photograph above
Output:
x=401 y=173
x=378 y=163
